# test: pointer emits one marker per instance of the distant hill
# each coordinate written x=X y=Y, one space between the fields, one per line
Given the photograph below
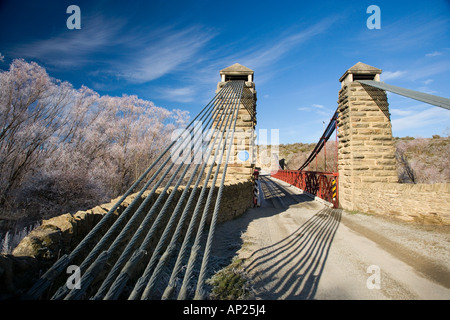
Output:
x=423 y=160
x=419 y=160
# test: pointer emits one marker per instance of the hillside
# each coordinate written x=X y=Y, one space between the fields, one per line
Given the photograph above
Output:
x=419 y=160
x=423 y=160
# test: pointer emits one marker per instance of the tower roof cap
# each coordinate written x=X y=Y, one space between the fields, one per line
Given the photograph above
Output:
x=361 y=68
x=237 y=69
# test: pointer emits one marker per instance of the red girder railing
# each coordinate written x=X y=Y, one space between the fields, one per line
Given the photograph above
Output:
x=321 y=184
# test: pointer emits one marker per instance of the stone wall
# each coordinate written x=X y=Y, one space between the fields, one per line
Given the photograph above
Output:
x=422 y=203
x=60 y=235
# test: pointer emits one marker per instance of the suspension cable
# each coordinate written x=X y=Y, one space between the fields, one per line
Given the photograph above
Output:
x=97 y=257
x=323 y=139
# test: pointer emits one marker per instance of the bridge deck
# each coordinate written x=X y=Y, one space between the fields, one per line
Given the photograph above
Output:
x=297 y=248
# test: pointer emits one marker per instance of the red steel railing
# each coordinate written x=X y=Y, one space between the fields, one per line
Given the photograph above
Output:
x=321 y=184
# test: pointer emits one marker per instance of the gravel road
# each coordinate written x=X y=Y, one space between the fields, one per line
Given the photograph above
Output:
x=295 y=247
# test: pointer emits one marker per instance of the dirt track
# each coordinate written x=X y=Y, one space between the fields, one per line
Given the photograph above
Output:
x=298 y=248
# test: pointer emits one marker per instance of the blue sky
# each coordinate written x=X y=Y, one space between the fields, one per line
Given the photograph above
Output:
x=171 y=52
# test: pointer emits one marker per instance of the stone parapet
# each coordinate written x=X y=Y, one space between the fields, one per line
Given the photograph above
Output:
x=60 y=235
x=421 y=203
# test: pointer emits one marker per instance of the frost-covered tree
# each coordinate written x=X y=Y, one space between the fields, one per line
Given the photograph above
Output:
x=62 y=149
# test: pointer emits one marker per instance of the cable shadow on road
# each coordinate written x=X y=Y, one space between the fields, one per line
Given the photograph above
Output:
x=292 y=267
x=274 y=195
x=316 y=234
x=273 y=199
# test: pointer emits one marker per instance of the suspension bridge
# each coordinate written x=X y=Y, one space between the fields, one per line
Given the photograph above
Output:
x=159 y=245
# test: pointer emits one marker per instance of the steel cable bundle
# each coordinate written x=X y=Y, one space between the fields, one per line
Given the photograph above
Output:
x=138 y=225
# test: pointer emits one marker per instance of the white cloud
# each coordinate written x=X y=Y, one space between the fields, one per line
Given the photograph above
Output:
x=429 y=70
x=402 y=35
x=263 y=56
x=317 y=109
x=158 y=57
x=138 y=55
x=426 y=89
x=434 y=54
x=2 y=57
x=73 y=47
x=400 y=112
x=259 y=57
x=184 y=94
x=387 y=75
x=419 y=119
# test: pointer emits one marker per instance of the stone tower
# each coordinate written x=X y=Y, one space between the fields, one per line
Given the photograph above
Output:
x=366 y=146
x=242 y=160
